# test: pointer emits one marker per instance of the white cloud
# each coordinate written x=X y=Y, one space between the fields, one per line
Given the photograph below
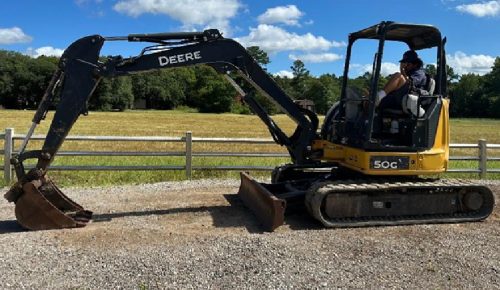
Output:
x=360 y=68
x=463 y=64
x=273 y=39
x=13 y=35
x=288 y=15
x=491 y=8
x=387 y=68
x=45 y=50
x=310 y=22
x=316 y=57
x=284 y=74
x=207 y=13
x=100 y=13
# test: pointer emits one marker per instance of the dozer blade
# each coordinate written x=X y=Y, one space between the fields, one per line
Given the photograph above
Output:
x=42 y=206
x=269 y=209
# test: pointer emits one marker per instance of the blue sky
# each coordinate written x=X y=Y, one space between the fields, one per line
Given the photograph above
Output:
x=313 y=31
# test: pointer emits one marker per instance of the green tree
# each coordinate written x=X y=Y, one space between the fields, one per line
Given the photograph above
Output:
x=492 y=88
x=262 y=59
x=467 y=98
x=492 y=79
x=431 y=69
x=169 y=92
x=139 y=86
x=358 y=83
x=318 y=93
x=259 y=55
x=101 y=98
x=451 y=75
x=122 y=96
x=44 y=70
x=285 y=83
x=165 y=89
x=495 y=107
x=112 y=94
x=330 y=93
x=214 y=94
x=301 y=76
x=23 y=80
x=186 y=79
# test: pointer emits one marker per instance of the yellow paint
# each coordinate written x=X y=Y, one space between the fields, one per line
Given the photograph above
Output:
x=431 y=161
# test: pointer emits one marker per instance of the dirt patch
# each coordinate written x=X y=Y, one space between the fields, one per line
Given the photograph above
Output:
x=132 y=218
x=164 y=216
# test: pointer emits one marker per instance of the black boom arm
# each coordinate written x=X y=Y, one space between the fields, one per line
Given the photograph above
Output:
x=80 y=70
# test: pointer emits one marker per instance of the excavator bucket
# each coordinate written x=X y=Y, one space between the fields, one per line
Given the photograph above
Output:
x=40 y=205
x=269 y=209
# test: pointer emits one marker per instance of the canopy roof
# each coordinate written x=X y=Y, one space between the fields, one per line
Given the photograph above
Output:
x=416 y=36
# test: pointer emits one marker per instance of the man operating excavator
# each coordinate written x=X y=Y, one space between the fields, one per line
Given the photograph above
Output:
x=411 y=75
x=355 y=172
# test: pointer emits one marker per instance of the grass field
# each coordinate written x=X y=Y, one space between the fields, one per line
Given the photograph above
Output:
x=175 y=124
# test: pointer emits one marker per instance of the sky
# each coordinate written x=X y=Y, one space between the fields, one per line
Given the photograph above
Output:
x=315 y=32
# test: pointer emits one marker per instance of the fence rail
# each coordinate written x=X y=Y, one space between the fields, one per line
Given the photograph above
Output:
x=9 y=139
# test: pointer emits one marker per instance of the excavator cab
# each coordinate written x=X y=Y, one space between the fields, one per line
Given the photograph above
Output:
x=411 y=126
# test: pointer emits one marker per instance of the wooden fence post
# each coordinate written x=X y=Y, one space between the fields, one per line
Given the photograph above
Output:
x=483 y=158
x=8 y=144
x=189 y=154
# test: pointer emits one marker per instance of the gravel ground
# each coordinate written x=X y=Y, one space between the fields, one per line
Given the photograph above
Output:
x=199 y=235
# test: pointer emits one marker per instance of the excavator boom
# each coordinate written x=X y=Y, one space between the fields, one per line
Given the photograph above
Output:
x=41 y=205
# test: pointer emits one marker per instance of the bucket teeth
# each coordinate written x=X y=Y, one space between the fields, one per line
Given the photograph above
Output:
x=14 y=192
x=40 y=205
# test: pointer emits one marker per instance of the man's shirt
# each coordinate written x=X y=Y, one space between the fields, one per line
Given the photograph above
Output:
x=418 y=77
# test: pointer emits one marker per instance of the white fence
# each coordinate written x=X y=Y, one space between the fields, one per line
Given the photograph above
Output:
x=9 y=139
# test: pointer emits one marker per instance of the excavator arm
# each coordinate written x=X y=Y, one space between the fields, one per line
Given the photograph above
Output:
x=79 y=73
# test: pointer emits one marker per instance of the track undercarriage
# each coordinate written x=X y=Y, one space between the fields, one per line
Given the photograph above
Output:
x=372 y=201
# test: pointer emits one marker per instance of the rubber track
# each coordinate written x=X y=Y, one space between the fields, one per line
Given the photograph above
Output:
x=318 y=192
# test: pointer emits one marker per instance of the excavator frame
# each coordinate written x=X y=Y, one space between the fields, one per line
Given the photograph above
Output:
x=329 y=170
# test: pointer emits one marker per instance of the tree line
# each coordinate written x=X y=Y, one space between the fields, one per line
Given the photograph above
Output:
x=23 y=81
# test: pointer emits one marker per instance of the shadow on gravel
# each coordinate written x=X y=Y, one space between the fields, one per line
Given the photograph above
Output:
x=296 y=217
x=235 y=215
x=12 y=226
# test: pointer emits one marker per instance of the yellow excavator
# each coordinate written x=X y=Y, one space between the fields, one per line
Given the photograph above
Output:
x=363 y=167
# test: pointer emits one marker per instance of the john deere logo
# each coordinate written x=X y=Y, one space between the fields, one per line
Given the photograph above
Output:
x=166 y=60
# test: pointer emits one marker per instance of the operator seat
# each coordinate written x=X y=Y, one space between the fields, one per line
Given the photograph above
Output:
x=431 y=85
x=427 y=91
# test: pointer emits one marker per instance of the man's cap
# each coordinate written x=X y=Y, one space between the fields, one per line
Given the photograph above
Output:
x=409 y=56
